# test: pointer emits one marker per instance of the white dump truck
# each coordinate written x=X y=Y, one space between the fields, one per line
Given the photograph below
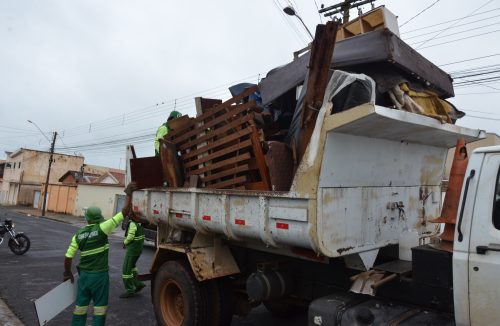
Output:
x=363 y=196
x=355 y=234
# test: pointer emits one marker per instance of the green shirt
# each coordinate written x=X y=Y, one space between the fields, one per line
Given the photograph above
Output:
x=92 y=241
x=160 y=133
x=135 y=238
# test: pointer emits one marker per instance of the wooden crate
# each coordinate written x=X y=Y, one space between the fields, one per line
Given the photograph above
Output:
x=222 y=147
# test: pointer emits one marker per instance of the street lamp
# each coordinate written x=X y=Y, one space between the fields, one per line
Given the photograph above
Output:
x=39 y=130
x=291 y=12
x=44 y=205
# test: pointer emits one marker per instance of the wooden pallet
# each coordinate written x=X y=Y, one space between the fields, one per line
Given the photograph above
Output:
x=222 y=147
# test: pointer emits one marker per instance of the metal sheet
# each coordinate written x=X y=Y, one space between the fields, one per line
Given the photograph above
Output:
x=380 y=122
x=358 y=219
x=354 y=161
x=146 y=171
x=55 y=301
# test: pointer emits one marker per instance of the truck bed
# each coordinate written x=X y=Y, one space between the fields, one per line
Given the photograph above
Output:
x=377 y=165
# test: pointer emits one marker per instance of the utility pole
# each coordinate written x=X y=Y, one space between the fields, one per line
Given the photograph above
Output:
x=344 y=8
x=48 y=173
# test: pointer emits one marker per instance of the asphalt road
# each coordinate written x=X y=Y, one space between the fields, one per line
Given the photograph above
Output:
x=28 y=277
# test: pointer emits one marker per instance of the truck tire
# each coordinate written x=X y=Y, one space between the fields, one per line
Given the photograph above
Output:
x=178 y=296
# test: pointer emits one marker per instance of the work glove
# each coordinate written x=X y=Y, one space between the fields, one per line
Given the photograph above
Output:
x=131 y=187
x=67 y=275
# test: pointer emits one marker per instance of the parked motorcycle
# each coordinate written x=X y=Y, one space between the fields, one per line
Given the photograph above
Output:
x=19 y=243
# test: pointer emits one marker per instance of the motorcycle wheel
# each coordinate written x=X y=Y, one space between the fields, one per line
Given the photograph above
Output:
x=22 y=247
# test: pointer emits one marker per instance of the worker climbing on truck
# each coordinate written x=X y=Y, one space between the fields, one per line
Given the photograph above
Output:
x=134 y=242
x=93 y=281
x=163 y=130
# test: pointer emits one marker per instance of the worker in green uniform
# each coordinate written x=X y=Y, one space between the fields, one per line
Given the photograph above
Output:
x=134 y=242
x=163 y=130
x=93 y=281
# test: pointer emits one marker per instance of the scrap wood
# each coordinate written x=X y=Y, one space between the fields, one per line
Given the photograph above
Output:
x=319 y=68
x=223 y=146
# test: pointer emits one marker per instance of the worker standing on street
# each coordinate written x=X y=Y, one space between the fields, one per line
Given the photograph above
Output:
x=93 y=281
x=134 y=242
x=163 y=130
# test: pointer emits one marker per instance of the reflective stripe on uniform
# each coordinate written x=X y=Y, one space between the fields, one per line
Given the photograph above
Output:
x=94 y=251
x=128 y=276
x=80 y=310
x=141 y=237
x=100 y=310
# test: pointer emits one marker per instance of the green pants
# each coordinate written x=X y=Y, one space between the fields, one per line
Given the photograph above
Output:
x=129 y=273
x=91 y=287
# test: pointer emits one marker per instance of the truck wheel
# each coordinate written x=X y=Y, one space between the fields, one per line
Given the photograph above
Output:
x=177 y=297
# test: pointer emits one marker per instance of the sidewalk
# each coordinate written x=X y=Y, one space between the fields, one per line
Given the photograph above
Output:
x=30 y=211
x=7 y=317
x=77 y=221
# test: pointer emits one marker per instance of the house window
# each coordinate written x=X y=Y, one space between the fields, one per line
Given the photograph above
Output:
x=496 y=203
x=19 y=165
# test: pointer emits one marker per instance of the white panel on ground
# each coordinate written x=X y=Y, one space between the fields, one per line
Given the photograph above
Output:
x=55 y=301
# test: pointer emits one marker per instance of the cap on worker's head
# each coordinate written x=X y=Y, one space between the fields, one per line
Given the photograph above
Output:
x=174 y=115
x=93 y=214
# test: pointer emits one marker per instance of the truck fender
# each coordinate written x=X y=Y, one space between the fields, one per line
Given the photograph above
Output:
x=208 y=257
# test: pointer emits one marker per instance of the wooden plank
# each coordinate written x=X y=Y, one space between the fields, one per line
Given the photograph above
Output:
x=224 y=106
x=230 y=149
x=259 y=157
x=217 y=165
x=227 y=183
x=217 y=143
x=218 y=131
x=319 y=69
x=203 y=104
x=237 y=110
x=225 y=173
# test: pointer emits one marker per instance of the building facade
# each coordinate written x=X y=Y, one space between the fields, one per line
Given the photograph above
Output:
x=25 y=170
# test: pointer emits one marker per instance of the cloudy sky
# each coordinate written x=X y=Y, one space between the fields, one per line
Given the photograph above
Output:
x=106 y=73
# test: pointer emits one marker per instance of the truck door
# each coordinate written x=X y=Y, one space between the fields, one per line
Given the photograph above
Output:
x=484 y=247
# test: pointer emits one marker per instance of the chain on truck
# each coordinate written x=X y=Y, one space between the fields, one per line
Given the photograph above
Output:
x=319 y=190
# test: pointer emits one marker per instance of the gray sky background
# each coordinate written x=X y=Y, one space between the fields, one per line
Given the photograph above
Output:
x=99 y=71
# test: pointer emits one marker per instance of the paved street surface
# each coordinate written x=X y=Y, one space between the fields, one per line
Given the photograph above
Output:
x=28 y=277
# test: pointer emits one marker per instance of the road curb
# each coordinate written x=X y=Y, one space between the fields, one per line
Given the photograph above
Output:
x=7 y=317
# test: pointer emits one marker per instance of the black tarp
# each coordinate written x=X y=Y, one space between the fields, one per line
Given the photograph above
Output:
x=380 y=47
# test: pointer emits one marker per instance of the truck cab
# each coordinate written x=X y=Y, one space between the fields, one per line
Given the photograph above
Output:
x=476 y=252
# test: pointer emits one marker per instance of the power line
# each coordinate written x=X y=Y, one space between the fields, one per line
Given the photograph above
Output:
x=460 y=39
x=477 y=93
x=472 y=59
x=425 y=9
x=459 y=32
x=481 y=84
x=287 y=21
x=147 y=112
x=482 y=112
x=449 y=21
x=317 y=9
x=483 y=118
x=430 y=39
